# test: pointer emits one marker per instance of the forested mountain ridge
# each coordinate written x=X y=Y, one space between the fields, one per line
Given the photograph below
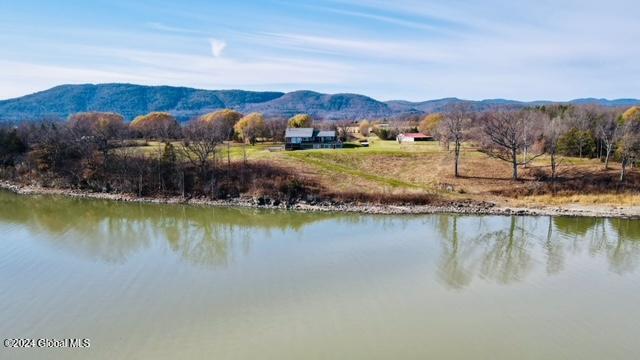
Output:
x=185 y=103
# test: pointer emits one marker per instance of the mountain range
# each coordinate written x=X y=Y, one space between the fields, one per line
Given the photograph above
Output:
x=185 y=103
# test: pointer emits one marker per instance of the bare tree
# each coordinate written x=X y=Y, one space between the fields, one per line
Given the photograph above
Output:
x=200 y=143
x=504 y=138
x=534 y=122
x=609 y=131
x=455 y=128
x=553 y=131
x=275 y=129
x=342 y=129
x=629 y=145
x=97 y=130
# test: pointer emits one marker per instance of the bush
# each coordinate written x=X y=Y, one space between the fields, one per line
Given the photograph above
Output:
x=386 y=133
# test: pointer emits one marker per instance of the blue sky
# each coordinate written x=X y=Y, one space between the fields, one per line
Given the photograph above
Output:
x=401 y=49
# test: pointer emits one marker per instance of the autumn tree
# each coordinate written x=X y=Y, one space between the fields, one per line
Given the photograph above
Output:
x=631 y=113
x=225 y=120
x=505 y=137
x=364 y=127
x=250 y=127
x=300 y=121
x=429 y=124
x=455 y=127
x=629 y=144
x=158 y=125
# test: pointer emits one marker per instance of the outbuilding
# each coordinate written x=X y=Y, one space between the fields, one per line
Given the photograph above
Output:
x=413 y=137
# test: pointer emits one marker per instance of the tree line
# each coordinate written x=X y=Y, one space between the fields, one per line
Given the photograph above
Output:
x=520 y=136
x=96 y=151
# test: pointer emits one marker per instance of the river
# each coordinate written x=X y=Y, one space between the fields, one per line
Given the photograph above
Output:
x=146 y=281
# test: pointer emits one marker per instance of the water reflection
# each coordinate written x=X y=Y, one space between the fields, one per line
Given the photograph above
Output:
x=506 y=249
x=503 y=250
x=112 y=231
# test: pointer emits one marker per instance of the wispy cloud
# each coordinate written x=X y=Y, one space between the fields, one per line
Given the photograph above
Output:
x=167 y=68
x=410 y=49
x=422 y=25
x=173 y=29
x=400 y=51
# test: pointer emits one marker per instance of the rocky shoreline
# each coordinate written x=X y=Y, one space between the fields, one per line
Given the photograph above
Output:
x=463 y=207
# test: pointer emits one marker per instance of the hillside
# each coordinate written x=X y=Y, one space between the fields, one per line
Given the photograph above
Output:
x=126 y=99
x=326 y=106
x=133 y=100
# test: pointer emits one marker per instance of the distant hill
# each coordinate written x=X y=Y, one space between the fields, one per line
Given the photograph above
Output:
x=337 y=106
x=126 y=99
x=133 y=100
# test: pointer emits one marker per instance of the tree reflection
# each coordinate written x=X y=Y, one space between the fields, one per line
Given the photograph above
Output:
x=510 y=249
x=506 y=255
x=501 y=255
x=621 y=246
x=452 y=268
x=112 y=231
x=501 y=249
x=574 y=226
x=554 y=250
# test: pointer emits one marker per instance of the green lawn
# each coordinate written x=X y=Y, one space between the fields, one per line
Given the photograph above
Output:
x=326 y=160
x=354 y=161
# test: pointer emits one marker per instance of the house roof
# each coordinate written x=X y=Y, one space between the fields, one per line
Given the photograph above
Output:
x=299 y=132
x=415 y=135
x=327 y=133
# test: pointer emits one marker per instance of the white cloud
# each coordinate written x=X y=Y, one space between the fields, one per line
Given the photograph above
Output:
x=408 y=49
x=217 y=47
x=370 y=49
x=177 y=69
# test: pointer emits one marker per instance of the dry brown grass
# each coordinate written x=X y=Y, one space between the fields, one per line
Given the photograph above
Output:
x=429 y=169
x=589 y=199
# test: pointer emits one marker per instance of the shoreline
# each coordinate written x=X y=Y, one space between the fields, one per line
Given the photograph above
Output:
x=464 y=208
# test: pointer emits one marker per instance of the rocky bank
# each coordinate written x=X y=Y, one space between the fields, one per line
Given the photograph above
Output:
x=467 y=207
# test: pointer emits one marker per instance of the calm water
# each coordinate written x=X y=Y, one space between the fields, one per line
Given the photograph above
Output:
x=169 y=282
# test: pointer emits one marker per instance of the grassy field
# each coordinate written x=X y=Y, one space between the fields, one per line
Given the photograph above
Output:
x=392 y=168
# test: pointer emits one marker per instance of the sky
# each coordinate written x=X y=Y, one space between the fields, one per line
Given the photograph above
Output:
x=401 y=49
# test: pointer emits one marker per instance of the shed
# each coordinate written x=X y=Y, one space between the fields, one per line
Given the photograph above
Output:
x=413 y=137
